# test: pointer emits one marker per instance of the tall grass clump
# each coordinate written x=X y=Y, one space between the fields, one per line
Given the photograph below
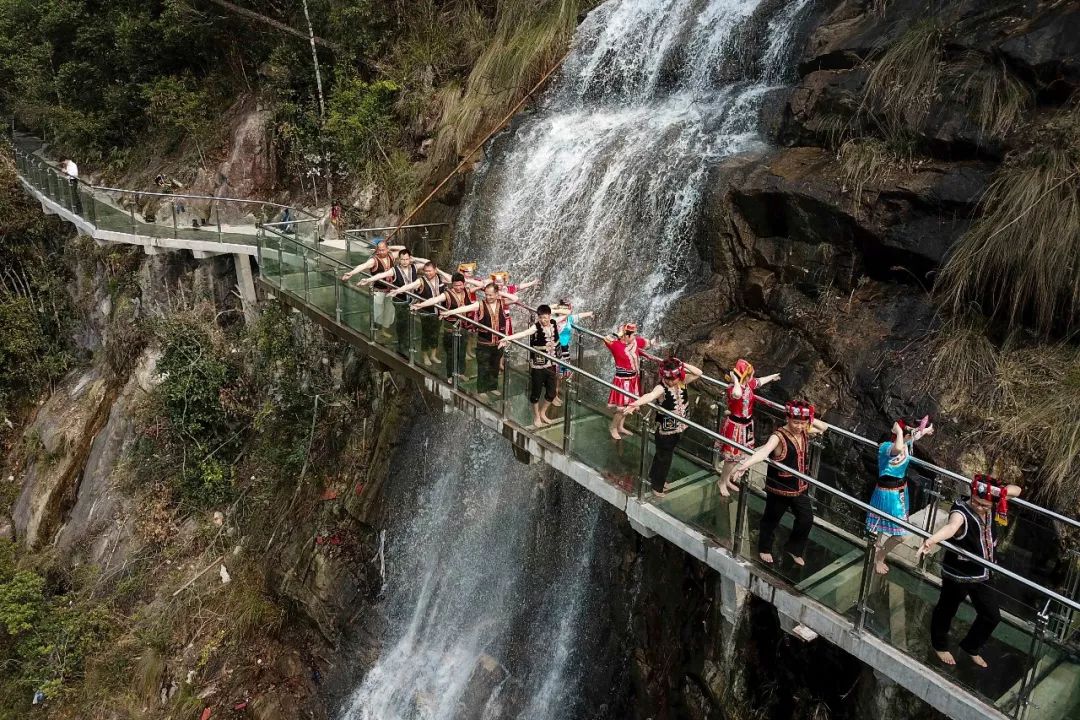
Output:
x=1020 y=261
x=526 y=38
x=998 y=99
x=905 y=80
x=864 y=161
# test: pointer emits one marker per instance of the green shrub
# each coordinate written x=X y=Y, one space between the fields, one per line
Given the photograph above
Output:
x=360 y=122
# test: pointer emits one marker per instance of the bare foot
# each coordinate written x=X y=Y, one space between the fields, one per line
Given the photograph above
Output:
x=881 y=568
x=626 y=432
x=978 y=660
x=722 y=487
x=615 y=434
x=557 y=402
x=660 y=493
x=798 y=560
x=766 y=558
x=945 y=656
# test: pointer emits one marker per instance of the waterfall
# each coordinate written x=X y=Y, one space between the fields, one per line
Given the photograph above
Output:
x=489 y=580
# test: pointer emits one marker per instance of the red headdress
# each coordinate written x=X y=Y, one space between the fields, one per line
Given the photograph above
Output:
x=629 y=328
x=989 y=488
x=743 y=370
x=800 y=410
x=673 y=369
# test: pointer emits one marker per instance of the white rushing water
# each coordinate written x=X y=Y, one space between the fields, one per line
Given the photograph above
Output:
x=490 y=583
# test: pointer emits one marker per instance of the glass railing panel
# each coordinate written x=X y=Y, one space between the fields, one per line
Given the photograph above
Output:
x=392 y=323
x=488 y=388
x=693 y=498
x=618 y=461
x=321 y=290
x=1054 y=692
x=293 y=275
x=519 y=385
x=356 y=308
x=269 y=257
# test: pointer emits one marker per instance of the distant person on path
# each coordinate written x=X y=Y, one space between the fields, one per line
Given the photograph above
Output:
x=890 y=492
x=429 y=285
x=455 y=295
x=337 y=219
x=626 y=349
x=738 y=425
x=971 y=528
x=565 y=317
x=491 y=325
x=675 y=375
x=784 y=491
x=69 y=168
x=544 y=338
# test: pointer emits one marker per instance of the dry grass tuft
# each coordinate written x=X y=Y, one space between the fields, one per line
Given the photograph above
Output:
x=1026 y=396
x=904 y=81
x=996 y=96
x=1020 y=261
x=864 y=161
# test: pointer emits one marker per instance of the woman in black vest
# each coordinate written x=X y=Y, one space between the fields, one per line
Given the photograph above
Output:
x=784 y=491
x=675 y=375
x=971 y=528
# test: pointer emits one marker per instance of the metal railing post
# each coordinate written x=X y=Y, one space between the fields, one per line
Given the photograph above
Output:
x=505 y=381
x=337 y=302
x=131 y=215
x=456 y=363
x=568 y=414
x=862 y=609
x=1027 y=683
x=303 y=268
x=643 y=458
x=931 y=516
x=741 y=509
x=175 y=226
x=217 y=217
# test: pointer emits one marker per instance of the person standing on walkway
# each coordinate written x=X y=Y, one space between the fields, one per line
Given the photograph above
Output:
x=429 y=285
x=785 y=491
x=971 y=528
x=565 y=317
x=491 y=325
x=379 y=263
x=738 y=425
x=890 y=492
x=543 y=338
x=626 y=349
x=675 y=375
x=455 y=295
x=71 y=170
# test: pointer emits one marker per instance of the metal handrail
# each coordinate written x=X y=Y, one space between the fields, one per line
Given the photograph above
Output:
x=1051 y=594
x=1038 y=509
x=183 y=196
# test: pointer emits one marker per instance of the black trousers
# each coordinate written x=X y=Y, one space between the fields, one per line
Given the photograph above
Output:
x=488 y=365
x=76 y=200
x=541 y=383
x=402 y=322
x=661 y=462
x=775 y=507
x=429 y=331
x=455 y=362
x=987 y=614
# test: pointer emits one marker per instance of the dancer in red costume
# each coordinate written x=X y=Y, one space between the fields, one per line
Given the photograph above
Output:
x=738 y=425
x=626 y=348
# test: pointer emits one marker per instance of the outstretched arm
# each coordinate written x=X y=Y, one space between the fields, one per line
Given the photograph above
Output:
x=651 y=396
x=768 y=379
x=528 y=284
x=956 y=521
x=362 y=267
x=516 y=336
x=429 y=302
x=899 y=447
x=376 y=278
x=760 y=454
x=405 y=288
x=819 y=426
x=462 y=310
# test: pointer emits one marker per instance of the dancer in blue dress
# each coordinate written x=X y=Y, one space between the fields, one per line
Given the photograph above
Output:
x=891 y=493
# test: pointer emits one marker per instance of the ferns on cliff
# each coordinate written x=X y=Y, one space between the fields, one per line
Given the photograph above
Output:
x=1020 y=261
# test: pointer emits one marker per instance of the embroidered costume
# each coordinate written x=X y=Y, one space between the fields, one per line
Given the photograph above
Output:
x=627 y=364
x=668 y=429
x=964 y=578
x=785 y=491
x=738 y=425
x=891 y=492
